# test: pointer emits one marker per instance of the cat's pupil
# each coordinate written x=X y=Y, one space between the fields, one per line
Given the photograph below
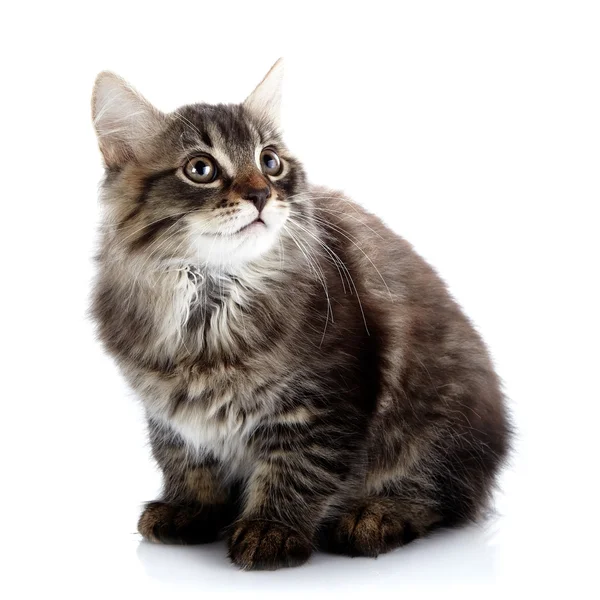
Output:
x=202 y=168
x=270 y=162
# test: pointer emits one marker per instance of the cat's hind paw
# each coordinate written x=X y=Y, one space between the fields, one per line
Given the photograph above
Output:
x=377 y=527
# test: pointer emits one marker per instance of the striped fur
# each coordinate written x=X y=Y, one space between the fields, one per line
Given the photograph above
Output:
x=310 y=383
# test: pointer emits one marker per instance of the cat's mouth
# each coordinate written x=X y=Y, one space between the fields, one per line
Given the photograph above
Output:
x=253 y=225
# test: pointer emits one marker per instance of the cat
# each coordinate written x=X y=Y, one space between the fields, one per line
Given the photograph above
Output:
x=307 y=378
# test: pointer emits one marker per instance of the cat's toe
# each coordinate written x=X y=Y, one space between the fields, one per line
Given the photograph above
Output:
x=181 y=524
x=258 y=544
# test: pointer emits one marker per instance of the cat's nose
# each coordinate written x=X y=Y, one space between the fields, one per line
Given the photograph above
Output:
x=258 y=196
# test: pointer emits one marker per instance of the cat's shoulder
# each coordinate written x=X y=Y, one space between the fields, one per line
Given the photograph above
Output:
x=348 y=217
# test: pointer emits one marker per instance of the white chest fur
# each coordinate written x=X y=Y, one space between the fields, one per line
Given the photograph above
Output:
x=210 y=424
x=220 y=431
x=219 y=411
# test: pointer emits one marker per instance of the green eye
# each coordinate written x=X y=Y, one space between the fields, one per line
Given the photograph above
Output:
x=201 y=169
x=270 y=162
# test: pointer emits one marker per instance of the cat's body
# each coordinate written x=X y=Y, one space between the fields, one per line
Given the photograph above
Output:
x=327 y=389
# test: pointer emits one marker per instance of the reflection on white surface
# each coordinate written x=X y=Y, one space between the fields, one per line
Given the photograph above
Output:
x=443 y=558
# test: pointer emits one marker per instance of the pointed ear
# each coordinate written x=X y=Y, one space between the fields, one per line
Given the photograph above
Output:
x=123 y=119
x=265 y=101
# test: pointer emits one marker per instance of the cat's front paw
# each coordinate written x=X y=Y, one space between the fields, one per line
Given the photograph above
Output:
x=259 y=544
x=182 y=524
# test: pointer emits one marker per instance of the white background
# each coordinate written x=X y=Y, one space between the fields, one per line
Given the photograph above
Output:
x=472 y=128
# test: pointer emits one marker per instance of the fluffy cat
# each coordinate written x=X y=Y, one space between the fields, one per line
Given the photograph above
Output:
x=307 y=378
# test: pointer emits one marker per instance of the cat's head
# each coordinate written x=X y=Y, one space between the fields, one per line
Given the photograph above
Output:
x=207 y=184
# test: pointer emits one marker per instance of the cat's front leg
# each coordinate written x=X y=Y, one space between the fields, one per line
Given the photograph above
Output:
x=195 y=505
x=303 y=459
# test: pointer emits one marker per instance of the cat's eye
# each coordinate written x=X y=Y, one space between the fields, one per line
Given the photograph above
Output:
x=201 y=169
x=270 y=162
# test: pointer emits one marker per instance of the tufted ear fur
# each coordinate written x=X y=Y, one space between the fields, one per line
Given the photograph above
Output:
x=265 y=101
x=123 y=119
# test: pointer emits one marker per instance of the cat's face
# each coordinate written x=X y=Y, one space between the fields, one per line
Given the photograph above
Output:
x=207 y=185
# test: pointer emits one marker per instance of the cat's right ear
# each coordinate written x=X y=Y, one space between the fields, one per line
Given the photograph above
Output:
x=265 y=101
x=123 y=118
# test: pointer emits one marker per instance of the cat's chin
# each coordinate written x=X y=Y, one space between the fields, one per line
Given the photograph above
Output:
x=221 y=251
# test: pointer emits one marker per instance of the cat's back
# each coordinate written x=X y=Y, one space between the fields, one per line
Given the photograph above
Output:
x=423 y=327
x=385 y=263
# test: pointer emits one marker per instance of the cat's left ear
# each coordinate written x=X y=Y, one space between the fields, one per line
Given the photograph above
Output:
x=265 y=101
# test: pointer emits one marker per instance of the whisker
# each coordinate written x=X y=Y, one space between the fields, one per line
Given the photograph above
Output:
x=170 y=216
x=339 y=212
x=349 y=238
x=332 y=253
x=321 y=277
x=179 y=116
x=140 y=270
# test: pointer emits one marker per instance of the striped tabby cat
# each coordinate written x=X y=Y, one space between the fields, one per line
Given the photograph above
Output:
x=308 y=380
